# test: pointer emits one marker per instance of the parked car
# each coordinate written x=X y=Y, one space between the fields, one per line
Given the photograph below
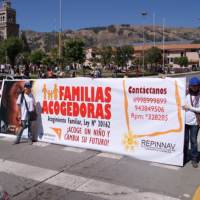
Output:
x=179 y=70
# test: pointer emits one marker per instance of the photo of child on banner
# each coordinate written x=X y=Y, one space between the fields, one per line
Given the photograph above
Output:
x=9 y=121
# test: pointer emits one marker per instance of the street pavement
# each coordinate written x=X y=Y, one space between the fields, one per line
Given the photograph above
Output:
x=54 y=172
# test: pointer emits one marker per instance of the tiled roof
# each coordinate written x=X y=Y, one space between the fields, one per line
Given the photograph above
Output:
x=169 y=47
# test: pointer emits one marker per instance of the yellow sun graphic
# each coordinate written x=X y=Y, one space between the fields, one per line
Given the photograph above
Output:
x=129 y=141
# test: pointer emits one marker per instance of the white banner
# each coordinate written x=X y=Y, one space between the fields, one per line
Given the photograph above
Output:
x=139 y=117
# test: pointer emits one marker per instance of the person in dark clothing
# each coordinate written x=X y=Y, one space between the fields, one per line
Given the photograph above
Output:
x=192 y=108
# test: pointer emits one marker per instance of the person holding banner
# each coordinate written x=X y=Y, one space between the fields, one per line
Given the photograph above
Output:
x=192 y=123
x=25 y=104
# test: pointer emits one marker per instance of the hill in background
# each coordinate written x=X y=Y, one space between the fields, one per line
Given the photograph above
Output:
x=113 y=35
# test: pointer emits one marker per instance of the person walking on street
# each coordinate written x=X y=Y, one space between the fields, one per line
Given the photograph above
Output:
x=26 y=104
x=192 y=108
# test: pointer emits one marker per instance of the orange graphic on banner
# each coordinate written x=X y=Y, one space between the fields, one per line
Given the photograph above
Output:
x=44 y=90
x=50 y=94
x=58 y=132
x=129 y=139
x=55 y=91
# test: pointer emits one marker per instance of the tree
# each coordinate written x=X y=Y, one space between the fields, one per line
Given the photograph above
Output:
x=182 y=61
x=37 y=56
x=2 y=53
x=23 y=58
x=54 y=55
x=47 y=61
x=153 y=55
x=106 y=55
x=123 y=55
x=197 y=41
x=13 y=46
x=74 y=51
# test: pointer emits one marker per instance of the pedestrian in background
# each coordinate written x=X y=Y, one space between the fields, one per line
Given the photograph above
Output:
x=192 y=108
x=49 y=72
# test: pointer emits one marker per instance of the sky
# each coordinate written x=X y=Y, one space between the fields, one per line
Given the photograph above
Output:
x=43 y=15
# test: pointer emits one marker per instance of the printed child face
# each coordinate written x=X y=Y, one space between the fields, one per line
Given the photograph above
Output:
x=12 y=109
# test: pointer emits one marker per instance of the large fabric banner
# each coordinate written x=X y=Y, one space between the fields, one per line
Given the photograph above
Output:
x=138 y=117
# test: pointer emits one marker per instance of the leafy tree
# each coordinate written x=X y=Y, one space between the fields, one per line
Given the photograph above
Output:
x=106 y=55
x=47 y=61
x=54 y=55
x=24 y=58
x=37 y=56
x=74 y=51
x=123 y=55
x=197 y=41
x=13 y=47
x=153 y=55
x=2 y=53
x=182 y=61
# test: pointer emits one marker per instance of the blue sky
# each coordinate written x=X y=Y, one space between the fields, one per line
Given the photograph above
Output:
x=43 y=15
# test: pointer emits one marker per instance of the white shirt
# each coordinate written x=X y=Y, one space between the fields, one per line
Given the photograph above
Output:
x=30 y=104
x=190 y=116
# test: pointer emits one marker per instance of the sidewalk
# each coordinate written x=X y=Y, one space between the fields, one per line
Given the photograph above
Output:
x=45 y=171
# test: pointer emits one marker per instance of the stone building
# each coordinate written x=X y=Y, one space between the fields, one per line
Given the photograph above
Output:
x=8 y=26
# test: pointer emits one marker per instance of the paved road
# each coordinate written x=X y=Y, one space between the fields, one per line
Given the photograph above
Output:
x=46 y=171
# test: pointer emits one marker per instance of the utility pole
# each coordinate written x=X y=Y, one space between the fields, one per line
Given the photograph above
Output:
x=60 y=33
x=163 y=42
x=154 y=31
x=143 y=14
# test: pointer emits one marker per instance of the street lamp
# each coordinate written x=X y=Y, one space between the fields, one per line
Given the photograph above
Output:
x=60 y=32
x=143 y=14
x=154 y=31
x=163 y=42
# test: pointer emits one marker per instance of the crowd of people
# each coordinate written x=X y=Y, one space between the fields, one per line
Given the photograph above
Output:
x=43 y=71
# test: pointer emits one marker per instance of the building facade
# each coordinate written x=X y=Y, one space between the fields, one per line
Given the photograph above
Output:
x=8 y=26
x=172 y=51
